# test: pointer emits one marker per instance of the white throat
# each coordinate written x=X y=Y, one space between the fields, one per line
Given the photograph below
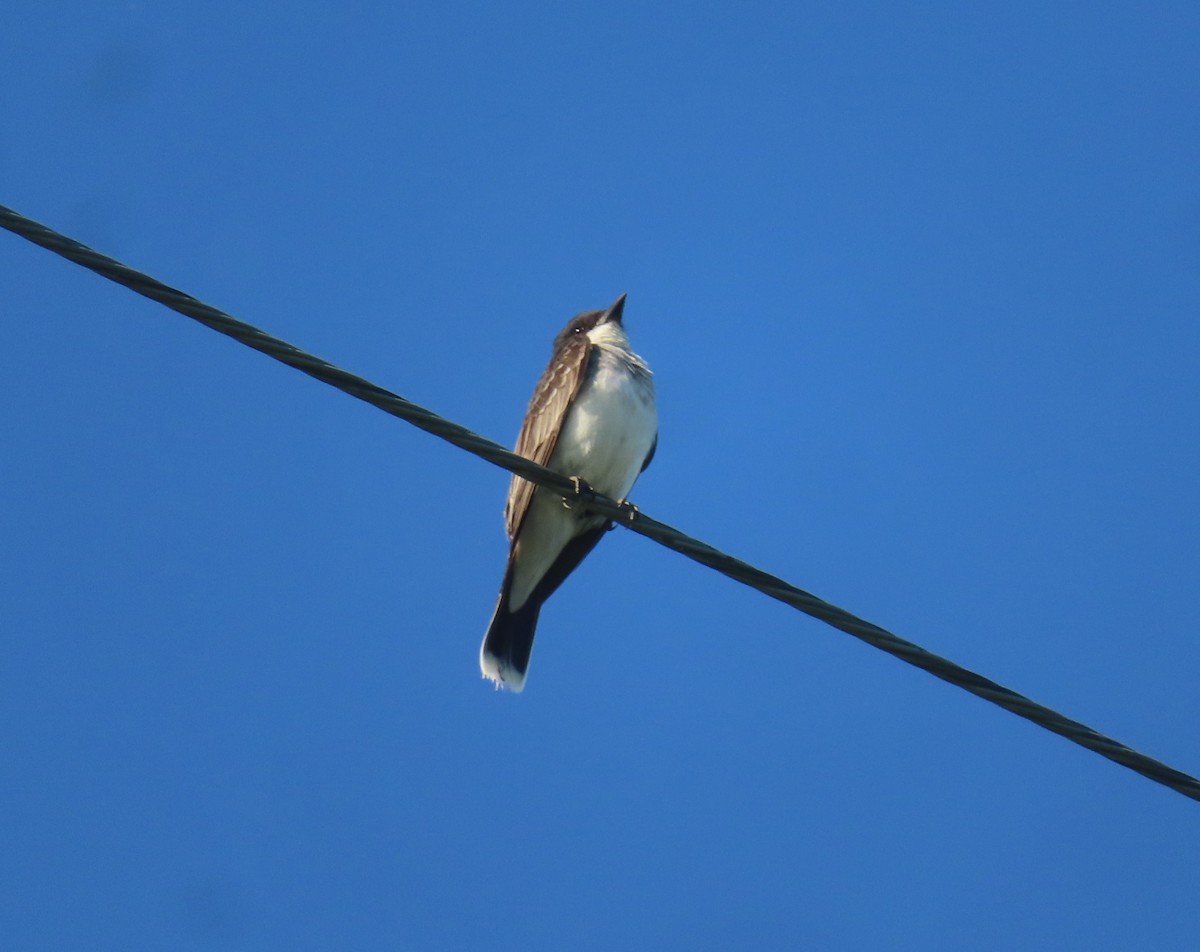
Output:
x=611 y=337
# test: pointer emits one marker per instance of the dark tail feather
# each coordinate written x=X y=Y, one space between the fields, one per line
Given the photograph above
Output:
x=504 y=655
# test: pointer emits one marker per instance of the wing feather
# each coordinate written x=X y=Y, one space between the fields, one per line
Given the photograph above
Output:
x=547 y=410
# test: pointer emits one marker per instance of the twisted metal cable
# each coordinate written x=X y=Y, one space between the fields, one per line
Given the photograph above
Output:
x=624 y=515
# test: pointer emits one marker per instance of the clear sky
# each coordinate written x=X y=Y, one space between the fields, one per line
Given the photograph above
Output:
x=921 y=288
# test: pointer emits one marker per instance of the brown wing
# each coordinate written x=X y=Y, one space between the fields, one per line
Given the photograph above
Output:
x=547 y=410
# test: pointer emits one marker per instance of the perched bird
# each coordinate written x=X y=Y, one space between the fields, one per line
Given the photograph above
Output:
x=592 y=416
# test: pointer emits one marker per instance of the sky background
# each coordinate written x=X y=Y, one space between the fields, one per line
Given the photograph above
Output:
x=921 y=288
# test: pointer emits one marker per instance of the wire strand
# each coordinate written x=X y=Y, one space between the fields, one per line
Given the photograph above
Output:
x=624 y=515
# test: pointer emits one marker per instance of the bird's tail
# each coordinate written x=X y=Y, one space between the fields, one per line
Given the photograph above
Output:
x=504 y=654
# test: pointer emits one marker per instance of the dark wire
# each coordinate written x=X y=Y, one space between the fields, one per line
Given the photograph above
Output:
x=672 y=538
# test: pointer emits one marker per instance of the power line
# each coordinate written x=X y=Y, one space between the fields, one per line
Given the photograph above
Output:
x=640 y=523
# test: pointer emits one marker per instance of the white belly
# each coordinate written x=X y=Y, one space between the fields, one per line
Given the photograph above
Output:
x=609 y=430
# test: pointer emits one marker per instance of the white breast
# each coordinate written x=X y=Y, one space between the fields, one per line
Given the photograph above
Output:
x=610 y=427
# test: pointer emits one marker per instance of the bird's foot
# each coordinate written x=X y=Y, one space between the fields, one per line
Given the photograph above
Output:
x=583 y=492
x=629 y=511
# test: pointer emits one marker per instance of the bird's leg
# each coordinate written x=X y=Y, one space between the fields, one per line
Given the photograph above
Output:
x=583 y=492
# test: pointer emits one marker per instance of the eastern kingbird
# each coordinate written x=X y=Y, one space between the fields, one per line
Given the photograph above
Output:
x=592 y=416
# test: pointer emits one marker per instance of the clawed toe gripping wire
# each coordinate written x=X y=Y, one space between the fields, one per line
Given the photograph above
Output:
x=583 y=495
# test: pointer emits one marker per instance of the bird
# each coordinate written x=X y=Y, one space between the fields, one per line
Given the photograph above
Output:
x=593 y=419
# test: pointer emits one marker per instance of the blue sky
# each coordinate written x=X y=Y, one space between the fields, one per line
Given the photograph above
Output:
x=920 y=287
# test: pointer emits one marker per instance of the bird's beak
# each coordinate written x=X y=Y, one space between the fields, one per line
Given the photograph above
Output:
x=615 y=312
